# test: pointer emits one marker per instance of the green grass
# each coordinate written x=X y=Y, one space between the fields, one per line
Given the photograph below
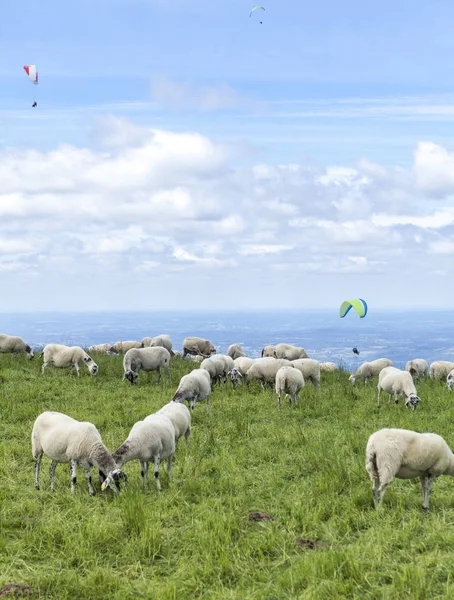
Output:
x=304 y=467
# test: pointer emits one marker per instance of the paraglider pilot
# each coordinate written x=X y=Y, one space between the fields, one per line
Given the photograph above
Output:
x=355 y=351
x=35 y=104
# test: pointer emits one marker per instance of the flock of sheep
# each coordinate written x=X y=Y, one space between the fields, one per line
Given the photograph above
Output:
x=389 y=453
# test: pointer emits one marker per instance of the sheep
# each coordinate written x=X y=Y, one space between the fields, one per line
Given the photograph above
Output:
x=417 y=367
x=160 y=340
x=150 y=439
x=12 y=344
x=268 y=352
x=100 y=349
x=194 y=387
x=265 y=369
x=60 y=356
x=328 y=367
x=370 y=369
x=196 y=359
x=310 y=369
x=123 y=347
x=289 y=381
x=63 y=439
x=440 y=369
x=147 y=359
x=400 y=383
x=218 y=366
x=240 y=368
x=235 y=351
x=198 y=346
x=177 y=354
x=406 y=454
x=450 y=380
x=289 y=352
x=181 y=419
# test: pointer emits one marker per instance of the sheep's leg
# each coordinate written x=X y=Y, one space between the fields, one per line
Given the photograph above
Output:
x=375 y=487
x=157 y=461
x=426 y=486
x=37 y=468
x=396 y=399
x=77 y=369
x=158 y=375
x=262 y=386
x=91 y=491
x=380 y=492
x=297 y=399
x=389 y=398
x=72 y=467
x=44 y=367
x=53 y=466
x=208 y=405
x=143 y=471
x=378 y=396
x=102 y=476
x=186 y=437
x=167 y=372
x=279 y=400
x=169 y=466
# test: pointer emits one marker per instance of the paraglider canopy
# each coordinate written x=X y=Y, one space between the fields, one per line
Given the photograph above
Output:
x=32 y=73
x=358 y=304
x=256 y=8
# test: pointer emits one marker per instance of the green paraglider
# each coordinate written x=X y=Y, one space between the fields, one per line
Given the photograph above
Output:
x=358 y=304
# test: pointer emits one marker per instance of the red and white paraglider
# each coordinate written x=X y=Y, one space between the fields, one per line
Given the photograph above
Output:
x=33 y=76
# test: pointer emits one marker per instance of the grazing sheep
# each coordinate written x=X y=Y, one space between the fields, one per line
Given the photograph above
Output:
x=440 y=369
x=268 y=352
x=240 y=368
x=100 y=349
x=450 y=380
x=265 y=369
x=198 y=346
x=289 y=381
x=12 y=344
x=218 y=366
x=194 y=387
x=123 y=347
x=177 y=354
x=235 y=351
x=61 y=357
x=328 y=367
x=406 y=454
x=398 y=383
x=160 y=340
x=63 y=439
x=150 y=439
x=310 y=369
x=417 y=367
x=289 y=352
x=370 y=369
x=147 y=359
x=196 y=359
x=180 y=416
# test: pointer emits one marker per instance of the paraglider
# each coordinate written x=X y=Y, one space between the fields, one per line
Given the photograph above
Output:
x=254 y=9
x=355 y=350
x=33 y=76
x=360 y=307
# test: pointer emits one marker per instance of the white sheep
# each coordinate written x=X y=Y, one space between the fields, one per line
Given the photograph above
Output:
x=198 y=346
x=180 y=416
x=268 y=352
x=441 y=369
x=265 y=369
x=159 y=340
x=150 y=439
x=289 y=352
x=218 y=366
x=197 y=358
x=417 y=367
x=406 y=454
x=450 y=380
x=235 y=351
x=61 y=357
x=328 y=367
x=397 y=383
x=310 y=369
x=370 y=369
x=153 y=358
x=12 y=344
x=289 y=381
x=176 y=354
x=63 y=439
x=240 y=368
x=100 y=349
x=193 y=387
x=123 y=347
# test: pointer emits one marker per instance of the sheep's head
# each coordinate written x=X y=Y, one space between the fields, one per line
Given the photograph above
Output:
x=132 y=377
x=113 y=480
x=91 y=365
x=352 y=378
x=450 y=381
x=235 y=376
x=412 y=401
x=29 y=352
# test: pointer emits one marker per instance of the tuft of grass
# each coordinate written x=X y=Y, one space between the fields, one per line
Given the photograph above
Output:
x=301 y=470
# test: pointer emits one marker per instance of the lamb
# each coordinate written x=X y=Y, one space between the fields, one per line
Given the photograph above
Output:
x=268 y=352
x=406 y=454
x=160 y=340
x=12 y=344
x=417 y=367
x=450 y=380
x=265 y=369
x=235 y=351
x=289 y=381
x=150 y=439
x=370 y=369
x=181 y=419
x=289 y=352
x=240 y=368
x=60 y=356
x=63 y=439
x=147 y=359
x=398 y=383
x=198 y=346
x=194 y=387
x=310 y=369
x=328 y=367
x=100 y=349
x=123 y=347
x=440 y=369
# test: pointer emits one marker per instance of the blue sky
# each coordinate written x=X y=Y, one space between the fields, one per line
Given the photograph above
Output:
x=240 y=151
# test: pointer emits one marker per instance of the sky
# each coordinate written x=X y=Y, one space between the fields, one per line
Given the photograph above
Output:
x=185 y=156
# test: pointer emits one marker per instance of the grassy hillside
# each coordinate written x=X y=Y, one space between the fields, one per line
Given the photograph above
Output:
x=303 y=467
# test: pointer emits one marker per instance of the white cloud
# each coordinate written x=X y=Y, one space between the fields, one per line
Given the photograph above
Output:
x=257 y=250
x=185 y=95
